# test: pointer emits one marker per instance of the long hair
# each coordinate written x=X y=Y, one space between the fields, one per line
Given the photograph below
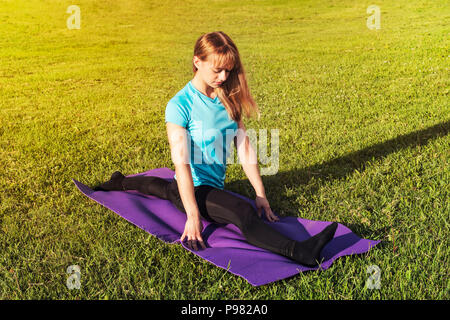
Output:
x=234 y=92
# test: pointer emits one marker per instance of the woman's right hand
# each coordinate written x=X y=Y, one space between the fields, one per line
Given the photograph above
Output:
x=192 y=231
x=180 y=156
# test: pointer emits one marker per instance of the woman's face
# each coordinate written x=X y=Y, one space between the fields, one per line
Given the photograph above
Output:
x=212 y=75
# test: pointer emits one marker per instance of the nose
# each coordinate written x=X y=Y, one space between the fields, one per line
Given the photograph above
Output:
x=223 y=76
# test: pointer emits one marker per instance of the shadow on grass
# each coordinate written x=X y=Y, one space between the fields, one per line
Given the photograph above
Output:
x=344 y=166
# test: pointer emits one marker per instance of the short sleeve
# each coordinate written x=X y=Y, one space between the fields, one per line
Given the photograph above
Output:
x=177 y=113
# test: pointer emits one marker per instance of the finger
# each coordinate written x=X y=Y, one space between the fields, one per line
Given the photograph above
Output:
x=259 y=212
x=202 y=244
x=273 y=217
x=194 y=243
x=183 y=236
x=200 y=241
x=270 y=215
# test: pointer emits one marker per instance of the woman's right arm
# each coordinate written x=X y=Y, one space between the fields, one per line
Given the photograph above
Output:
x=177 y=136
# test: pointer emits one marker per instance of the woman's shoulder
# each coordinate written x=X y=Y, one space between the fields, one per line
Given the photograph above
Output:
x=182 y=98
x=179 y=108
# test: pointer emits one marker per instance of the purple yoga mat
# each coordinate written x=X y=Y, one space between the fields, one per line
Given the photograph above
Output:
x=226 y=246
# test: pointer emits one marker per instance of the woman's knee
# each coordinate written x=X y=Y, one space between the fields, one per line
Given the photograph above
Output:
x=246 y=216
x=224 y=207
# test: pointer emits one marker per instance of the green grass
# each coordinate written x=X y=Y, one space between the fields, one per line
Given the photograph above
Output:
x=363 y=117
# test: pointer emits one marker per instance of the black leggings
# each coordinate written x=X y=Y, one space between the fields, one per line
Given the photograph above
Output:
x=216 y=205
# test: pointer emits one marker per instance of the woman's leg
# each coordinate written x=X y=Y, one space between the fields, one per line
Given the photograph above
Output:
x=155 y=186
x=149 y=185
x=223 y=207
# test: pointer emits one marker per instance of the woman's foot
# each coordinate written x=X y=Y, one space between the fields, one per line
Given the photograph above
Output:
x=308 y=252
x=114 y=184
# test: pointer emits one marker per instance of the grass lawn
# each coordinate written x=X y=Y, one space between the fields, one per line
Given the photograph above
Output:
x=363 y=119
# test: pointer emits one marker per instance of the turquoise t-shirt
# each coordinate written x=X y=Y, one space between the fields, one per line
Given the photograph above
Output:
x=210 y=133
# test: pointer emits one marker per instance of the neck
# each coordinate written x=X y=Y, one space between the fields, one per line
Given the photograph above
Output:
x=201 y=86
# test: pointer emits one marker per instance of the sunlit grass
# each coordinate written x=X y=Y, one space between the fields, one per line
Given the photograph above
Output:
x=363 y=118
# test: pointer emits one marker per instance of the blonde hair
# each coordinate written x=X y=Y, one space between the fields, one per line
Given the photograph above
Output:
x=234 y=92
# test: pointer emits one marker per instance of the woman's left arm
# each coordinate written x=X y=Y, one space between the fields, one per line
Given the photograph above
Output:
x=249 y=161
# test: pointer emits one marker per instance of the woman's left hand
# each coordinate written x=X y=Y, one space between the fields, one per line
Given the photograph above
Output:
x=262 y=203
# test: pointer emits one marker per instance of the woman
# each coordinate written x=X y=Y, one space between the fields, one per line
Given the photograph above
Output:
x=199 y=118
